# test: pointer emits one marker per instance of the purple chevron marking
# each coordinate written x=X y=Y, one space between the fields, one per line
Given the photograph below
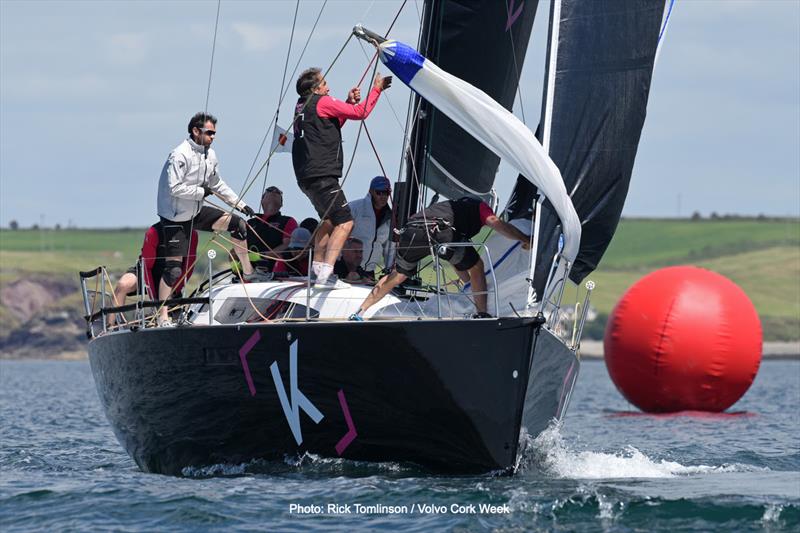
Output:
x=512 y=18
x=351 y=434
x=243 y=351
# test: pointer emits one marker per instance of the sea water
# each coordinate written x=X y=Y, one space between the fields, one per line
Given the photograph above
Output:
x=606 y=468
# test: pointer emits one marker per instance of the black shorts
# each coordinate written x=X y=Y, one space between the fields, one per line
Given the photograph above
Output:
x=175 y=235
x=414 y=246
x=327 y=198
x=158 y=269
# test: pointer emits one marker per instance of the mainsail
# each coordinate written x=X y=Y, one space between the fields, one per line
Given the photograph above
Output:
x=484 y=44
x=600 y=63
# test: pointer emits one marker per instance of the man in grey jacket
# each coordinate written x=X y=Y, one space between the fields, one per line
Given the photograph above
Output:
x=190 y=174
x=372 y=221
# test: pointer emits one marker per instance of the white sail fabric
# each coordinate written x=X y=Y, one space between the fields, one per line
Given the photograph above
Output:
x=491 y=124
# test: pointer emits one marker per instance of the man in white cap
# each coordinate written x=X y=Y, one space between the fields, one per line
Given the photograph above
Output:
x=372 y=222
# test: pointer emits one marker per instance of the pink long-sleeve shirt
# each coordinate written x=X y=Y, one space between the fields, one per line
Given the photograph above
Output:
x=330 y=107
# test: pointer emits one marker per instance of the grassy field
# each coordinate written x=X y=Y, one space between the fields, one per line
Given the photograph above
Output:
x=761 y=256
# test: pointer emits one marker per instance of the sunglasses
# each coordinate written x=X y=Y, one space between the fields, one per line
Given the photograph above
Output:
x=210 y=133
x=382 y=193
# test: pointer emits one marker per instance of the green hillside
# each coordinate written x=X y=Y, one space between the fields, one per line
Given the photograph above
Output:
x=761 y=256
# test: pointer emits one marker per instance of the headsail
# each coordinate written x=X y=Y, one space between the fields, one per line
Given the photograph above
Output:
x=489 y=123
x=484 y=44
x=600 y=63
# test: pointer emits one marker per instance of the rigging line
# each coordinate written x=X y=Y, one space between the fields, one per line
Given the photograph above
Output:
x=369 y=137
x=397 y=15
x=213 y=49
x=386 y=97
x=346 y=174
x=285 y=89
x=516 y=68
x=283 y=83
x=246 y=186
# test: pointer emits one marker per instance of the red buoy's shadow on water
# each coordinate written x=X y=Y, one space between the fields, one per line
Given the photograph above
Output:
x=705 y=415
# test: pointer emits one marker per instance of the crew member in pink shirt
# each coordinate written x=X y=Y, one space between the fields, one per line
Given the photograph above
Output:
x=318 y=160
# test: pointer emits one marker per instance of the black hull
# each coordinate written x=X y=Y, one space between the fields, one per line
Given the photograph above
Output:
x=448 y=395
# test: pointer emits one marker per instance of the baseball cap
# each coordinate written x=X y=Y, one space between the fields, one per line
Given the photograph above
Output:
x=380 y=183
x=299 y=239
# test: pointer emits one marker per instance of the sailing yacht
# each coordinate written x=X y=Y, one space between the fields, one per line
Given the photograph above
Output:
x=266 y=370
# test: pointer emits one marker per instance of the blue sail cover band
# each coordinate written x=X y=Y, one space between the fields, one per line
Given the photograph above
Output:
x=402 y=60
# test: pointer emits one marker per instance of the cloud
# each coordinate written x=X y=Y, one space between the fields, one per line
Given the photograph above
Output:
x=127 y=49
x=257 y=38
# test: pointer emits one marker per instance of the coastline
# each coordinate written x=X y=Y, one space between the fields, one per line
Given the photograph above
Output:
x=590 y=349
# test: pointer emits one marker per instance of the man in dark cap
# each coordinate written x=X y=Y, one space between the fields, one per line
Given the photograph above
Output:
x=372 y=221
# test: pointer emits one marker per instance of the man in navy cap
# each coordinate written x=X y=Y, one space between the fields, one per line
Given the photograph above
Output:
x=372 y=221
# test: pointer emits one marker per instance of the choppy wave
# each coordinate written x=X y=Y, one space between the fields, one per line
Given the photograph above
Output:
x=550 y=453
x=307 y=463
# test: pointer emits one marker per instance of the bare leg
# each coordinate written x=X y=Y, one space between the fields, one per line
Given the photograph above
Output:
x=239 y=246
x=386 y=284
x=164 y=293
x=478 y=279
x=321 y=239
x=126 y=284
x=336 y=242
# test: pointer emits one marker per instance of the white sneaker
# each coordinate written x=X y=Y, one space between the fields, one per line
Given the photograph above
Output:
x=165 y=323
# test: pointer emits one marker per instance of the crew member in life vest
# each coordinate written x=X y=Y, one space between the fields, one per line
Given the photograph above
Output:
x=154 y=257
x=452 y=221
x=269 y=233
x=318 y=159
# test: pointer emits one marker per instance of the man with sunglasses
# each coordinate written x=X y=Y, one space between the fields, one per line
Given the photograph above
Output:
x=372 y=221
x=189 y=175
x=271 y=231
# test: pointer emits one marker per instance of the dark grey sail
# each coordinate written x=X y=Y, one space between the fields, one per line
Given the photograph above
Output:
x=484 y=44
x=599 y=67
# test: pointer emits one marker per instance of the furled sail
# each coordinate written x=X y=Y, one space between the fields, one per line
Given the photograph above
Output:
x=600 y=64
x=484 y=44
x=491 y=124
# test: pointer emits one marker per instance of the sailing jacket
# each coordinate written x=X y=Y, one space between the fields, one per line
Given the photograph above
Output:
x=375 y=234
x=180 y=187
x=317 y=145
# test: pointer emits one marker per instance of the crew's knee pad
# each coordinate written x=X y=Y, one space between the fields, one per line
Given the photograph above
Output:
x=237 y=228
x=172 y=272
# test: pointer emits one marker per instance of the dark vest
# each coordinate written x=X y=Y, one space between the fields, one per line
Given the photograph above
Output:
x=271 y=233
x=463 y=215
x=317 y=145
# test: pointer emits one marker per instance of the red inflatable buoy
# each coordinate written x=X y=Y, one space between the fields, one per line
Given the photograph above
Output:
x=683 y=338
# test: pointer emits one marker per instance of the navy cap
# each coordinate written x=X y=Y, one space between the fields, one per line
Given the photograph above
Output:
x=380 y=183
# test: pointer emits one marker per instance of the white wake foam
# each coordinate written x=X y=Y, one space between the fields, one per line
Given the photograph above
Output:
x=555 y=458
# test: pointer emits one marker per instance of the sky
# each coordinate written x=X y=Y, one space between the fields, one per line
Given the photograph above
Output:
x=94 y=96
